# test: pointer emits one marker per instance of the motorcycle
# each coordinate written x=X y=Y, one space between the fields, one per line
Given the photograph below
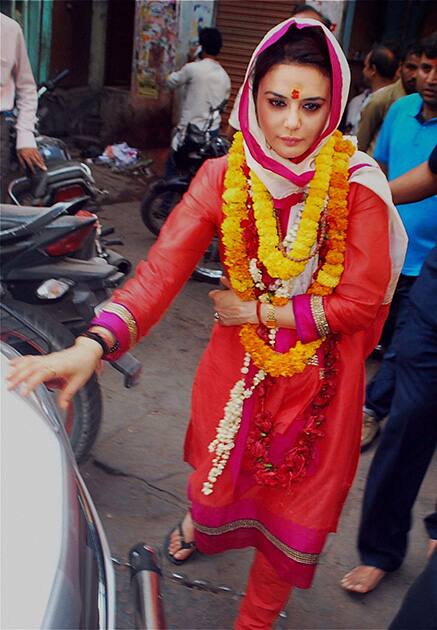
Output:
x=56 y=295
x=164 y=194
x=64 y=178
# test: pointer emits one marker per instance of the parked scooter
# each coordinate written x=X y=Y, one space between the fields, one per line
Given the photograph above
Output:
x=164 y=194
x=64 y=178
x=56 y=296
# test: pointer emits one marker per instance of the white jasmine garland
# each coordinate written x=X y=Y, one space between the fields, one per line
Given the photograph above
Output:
x=229 y=425
x=293 y=227
x=256 y=274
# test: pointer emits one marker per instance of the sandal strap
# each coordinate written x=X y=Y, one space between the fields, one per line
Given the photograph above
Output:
x=183 y=543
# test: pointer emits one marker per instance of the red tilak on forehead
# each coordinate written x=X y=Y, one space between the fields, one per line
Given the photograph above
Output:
x=295 y=94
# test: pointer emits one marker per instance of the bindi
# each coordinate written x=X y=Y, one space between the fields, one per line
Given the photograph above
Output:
x=295 y=94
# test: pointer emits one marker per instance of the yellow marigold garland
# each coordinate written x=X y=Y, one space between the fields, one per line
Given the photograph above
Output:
x=235 y=211
x=277 y=263
x=330 y=181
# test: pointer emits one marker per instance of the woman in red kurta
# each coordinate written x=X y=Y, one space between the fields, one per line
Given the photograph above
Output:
x=311 y=246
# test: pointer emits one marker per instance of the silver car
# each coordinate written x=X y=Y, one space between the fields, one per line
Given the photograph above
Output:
x=55 y=563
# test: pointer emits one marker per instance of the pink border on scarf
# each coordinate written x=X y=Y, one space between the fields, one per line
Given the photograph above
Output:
x=253 y=146
x=355 y=167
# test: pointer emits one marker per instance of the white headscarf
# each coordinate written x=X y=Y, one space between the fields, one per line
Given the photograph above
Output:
x=283 y=177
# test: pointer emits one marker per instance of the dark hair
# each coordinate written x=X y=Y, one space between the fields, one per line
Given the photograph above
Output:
x=429 y=46
x=304 y=8
x=413 y=49
x=211 y=40
x=385 y=60
x=307 y=47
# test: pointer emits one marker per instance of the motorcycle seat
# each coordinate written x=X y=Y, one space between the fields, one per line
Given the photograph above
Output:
x=12 y=216
x=17 y=222
x=71 y=166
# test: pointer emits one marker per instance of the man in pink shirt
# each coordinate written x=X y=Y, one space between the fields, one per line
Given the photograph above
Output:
x=17 y=87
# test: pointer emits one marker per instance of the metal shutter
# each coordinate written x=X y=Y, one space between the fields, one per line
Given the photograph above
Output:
x=243 y=23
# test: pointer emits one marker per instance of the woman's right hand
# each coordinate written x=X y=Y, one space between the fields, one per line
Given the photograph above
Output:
x=74 y=366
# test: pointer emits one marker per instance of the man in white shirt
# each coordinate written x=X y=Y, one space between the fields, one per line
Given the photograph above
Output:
x=17 y=86
x=206 y=85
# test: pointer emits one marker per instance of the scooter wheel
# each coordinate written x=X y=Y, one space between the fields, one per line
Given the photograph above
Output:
x=157 y=205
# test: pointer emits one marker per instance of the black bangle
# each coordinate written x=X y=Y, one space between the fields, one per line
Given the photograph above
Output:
x=96 y=337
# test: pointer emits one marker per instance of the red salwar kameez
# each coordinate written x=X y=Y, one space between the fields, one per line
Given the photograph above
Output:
x=287 y=526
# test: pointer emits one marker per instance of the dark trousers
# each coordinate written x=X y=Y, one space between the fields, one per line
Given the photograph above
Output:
x=419 y=608
x=406 y=447
x=379 y=392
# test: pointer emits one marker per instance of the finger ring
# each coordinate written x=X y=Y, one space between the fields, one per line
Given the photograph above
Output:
x=52 y=370
x=216 y=316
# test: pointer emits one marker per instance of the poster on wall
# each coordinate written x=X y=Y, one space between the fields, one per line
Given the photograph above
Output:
x=193 y=17
x=333 y=10
x=155 y=44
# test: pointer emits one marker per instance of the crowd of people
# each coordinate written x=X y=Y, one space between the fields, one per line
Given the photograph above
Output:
x=329 y=246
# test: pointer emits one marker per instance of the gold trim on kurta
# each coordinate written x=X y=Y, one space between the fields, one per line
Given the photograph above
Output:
x=293 y=554
x=318 y=313
x=124 y=314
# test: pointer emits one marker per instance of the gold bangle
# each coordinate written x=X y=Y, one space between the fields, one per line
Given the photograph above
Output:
x=271 y=321
x=318 y=313
x=126 y=316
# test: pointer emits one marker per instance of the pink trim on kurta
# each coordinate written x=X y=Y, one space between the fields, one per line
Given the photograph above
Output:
x=286 y=203
x=118 y=328
x=294 y=538
x=305 y=325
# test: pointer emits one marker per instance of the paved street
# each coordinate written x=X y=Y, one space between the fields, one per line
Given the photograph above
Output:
x=137 y=478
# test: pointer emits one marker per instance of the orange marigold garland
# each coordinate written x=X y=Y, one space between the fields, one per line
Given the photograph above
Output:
x=330 y=181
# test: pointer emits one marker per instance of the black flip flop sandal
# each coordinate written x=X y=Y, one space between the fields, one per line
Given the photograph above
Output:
x=183 y=545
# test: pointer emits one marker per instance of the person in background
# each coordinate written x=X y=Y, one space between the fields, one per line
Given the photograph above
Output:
x=373 y=114
x=407 y=137
x=301 y=11
x=308 y=11
x=417 y=184
x=380 y=66
x=419 y=607
x=409 y=440
x=206 y=86
x=17 y=88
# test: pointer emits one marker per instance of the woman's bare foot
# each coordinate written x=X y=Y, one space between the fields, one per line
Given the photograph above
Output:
x=362 y=579
x=174 y=547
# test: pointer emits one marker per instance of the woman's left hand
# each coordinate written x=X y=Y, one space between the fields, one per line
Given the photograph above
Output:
x=230 y=309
